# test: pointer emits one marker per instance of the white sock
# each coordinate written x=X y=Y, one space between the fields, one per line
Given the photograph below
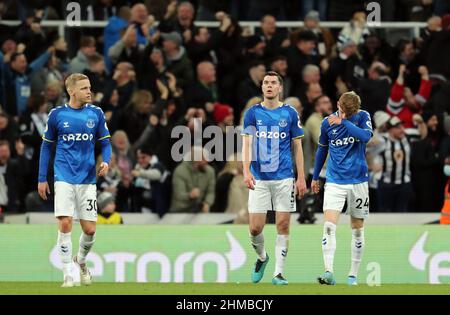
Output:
x=357 y=250
x=86 y=243
x=65 y=252
x=329 y=245
x=281 y=249
x=258 y=245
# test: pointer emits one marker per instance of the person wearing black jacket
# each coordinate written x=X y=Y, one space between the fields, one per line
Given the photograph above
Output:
x=12 y=179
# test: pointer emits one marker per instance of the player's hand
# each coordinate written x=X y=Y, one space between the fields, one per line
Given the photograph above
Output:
x=334 y=120
x=300 y=187
x=315 y=186
x=249 y=181
x=43 y=190
x=103 y=169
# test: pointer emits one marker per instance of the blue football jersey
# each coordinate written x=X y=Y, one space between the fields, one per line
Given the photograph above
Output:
x=75 y=132
x=272 y=131
x=346 y=154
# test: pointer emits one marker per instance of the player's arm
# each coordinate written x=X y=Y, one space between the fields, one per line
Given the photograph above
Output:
x=48 y=139
x=296 y=134
x=247 y=144
x=104 y=137
x=299 y=163
x=321 y=156
x=363 y=131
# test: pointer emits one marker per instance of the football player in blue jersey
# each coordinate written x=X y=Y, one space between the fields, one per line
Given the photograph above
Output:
x=343 y=136
x=75 y=128
x=271 y=130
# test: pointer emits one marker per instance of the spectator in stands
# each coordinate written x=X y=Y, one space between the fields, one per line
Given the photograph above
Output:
x=16 y=80
x=125 y=156
x=13 y=174
x=32 y=125
x=345 y=70
x=325 y=40
x=149 y=183
x=204 y=90
x=310 y=74
x=112 y=183
x=356 y=30
x=394 y=187
x=142 y=22
x=374 y=147
x=296 y=103
x=111 y=180
x=407 y=55
x=251 y=86
x=124 y=82
x=111 y=33
x=54 y=96
x=193 y=183
x=9 y=130
x=402 y=102
x=134 y=117
x=179 y=63
x=279 y=65
x=322 y=108
x=375 y=90
x=299 y=54
x=437 y=50
x=87 y=49
x=426 y=168
x=107 y=213
x=253 y=52
x=444 y=146
x=53 y=71
x=375 y=49
x=182 y=22
x=32 y=35
x=231 y=192
x=228 y=56
x=202 y=45
x=313 y=90
x=276 y=41
x=100 y=81
x=127 y=48
x=167 y=113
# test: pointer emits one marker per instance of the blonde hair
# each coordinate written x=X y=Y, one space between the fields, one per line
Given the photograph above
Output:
x=72 y=79
x=350 y=103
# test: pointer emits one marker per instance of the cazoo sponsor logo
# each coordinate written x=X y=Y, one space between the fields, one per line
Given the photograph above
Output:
x=170 y=271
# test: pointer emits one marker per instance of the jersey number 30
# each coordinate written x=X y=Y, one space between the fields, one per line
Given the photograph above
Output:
x=92 y=205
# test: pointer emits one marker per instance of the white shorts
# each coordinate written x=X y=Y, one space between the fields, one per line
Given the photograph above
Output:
x=76 y=201
x=356 y=195
x=276 y=195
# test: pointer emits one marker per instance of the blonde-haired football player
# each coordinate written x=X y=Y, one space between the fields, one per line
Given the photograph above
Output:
x=344 y=135
x=75 y=128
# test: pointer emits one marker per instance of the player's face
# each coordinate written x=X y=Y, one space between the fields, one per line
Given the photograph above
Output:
x=271 y=87
x=82 y=91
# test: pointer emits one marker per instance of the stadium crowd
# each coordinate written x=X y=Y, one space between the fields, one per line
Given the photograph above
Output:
x=149 y=78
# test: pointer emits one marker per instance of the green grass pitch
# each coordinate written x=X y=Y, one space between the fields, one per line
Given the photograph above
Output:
x=39 y=288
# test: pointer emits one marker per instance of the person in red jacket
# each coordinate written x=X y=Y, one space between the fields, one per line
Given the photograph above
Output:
x=402 y=102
